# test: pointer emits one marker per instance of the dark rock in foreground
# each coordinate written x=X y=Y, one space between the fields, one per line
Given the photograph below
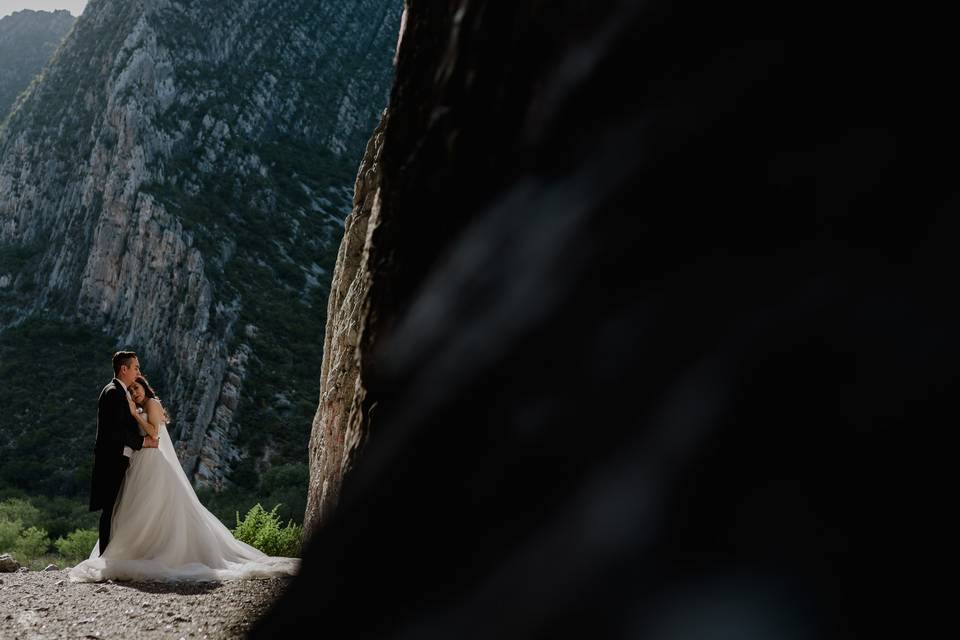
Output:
x=657 y=330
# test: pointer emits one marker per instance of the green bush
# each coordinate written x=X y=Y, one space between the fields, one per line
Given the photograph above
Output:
x=18 y=509
x=25 y=544
x=24 y=533
x=60 y=516
x=262 y=530
x=33 y=542
x=9 y=534
x=283 y=484
x=76 y=547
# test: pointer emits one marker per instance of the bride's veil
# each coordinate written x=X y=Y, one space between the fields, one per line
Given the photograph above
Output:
x=169 y=453
x=170 y=457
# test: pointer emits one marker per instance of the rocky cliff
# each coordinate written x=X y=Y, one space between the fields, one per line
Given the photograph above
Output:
x=642 y=325
x=338 y=426
x=179 y=179
x=27 y=40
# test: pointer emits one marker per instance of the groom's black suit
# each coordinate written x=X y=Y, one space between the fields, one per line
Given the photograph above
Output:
x=116 y=428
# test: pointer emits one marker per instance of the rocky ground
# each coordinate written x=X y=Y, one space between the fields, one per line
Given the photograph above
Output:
x=44 y=605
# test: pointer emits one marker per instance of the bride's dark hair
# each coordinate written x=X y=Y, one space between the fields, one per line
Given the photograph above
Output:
x=147 y=389
x=150 y=393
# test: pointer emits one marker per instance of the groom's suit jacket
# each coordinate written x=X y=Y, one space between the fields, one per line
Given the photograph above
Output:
x=116 y=429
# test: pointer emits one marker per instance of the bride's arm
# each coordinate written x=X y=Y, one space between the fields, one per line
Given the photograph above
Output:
x=155 y=414
x=145 y=423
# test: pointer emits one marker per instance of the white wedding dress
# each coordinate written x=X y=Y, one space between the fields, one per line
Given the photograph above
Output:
x=161 y=532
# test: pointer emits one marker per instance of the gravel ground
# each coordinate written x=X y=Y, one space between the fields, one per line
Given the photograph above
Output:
x=44 y=604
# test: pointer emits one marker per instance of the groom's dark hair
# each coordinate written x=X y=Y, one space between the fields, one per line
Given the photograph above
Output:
x=121 y=358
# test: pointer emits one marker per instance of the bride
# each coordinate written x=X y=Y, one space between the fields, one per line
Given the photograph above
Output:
x=161 y=531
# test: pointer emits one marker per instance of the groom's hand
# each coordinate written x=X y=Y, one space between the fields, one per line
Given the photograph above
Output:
x=150 y=443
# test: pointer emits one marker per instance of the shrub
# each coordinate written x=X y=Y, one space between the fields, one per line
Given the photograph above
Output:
x=262 y=530
x=76 y=547
x=33 y=542
x=19 y=509
x=60 y=516
x=9 y=534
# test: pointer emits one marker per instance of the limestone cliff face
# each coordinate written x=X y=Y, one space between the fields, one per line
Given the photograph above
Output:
x=443 y=139
x=339 y=426
x=177 y=177
x=27 y=40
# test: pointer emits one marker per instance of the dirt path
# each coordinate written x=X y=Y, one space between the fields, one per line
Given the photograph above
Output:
x=44 y=604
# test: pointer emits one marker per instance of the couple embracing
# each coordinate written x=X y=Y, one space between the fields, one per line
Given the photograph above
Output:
x=152 y=526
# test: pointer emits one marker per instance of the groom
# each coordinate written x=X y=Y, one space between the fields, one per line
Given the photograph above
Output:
x=117 y=436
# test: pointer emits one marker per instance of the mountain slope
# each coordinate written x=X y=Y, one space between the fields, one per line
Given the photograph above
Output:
x=178 y=180
x=27 y=40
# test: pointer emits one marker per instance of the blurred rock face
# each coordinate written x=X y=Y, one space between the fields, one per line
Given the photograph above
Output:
x=655 y=322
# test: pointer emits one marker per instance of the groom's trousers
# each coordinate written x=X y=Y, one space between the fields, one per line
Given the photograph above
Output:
x=109 y=501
